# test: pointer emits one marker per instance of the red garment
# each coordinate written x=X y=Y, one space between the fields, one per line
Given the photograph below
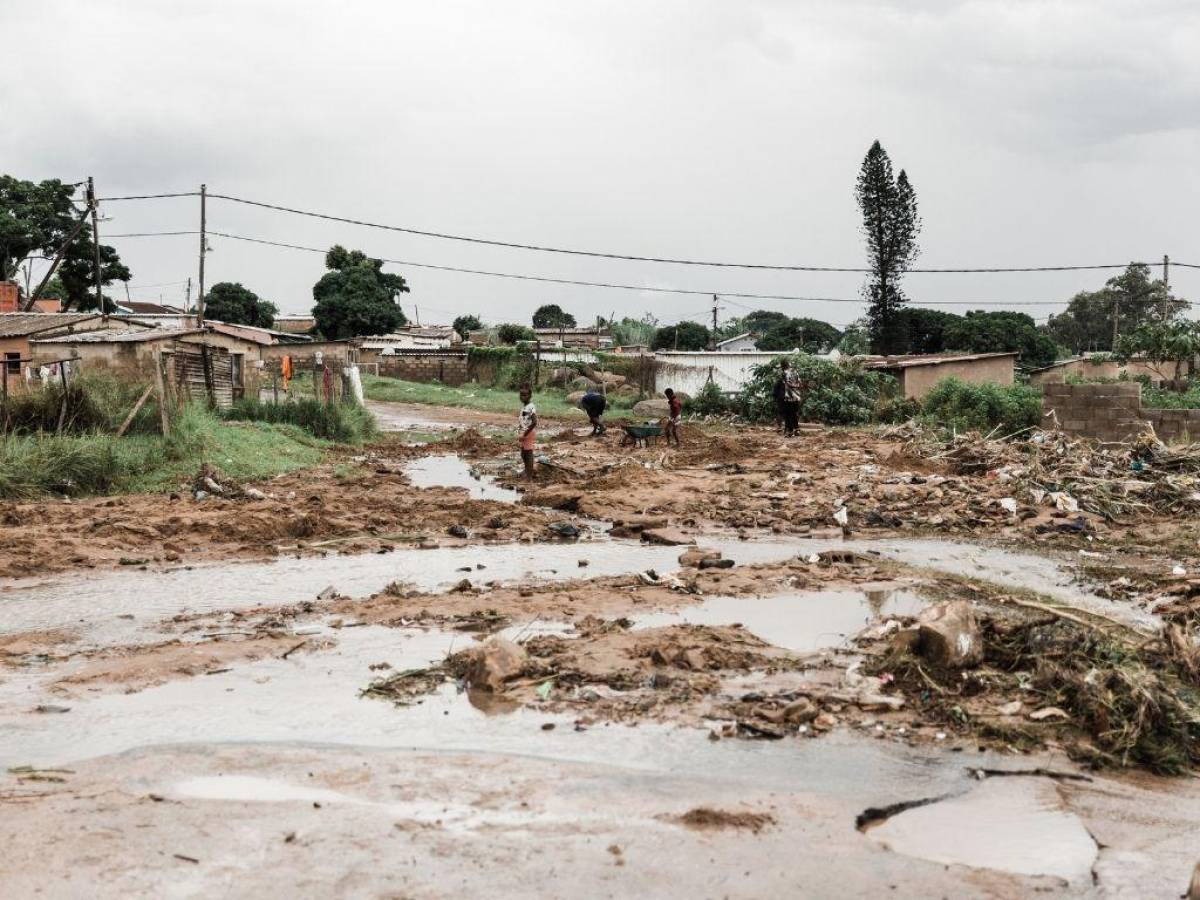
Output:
x=675 y=405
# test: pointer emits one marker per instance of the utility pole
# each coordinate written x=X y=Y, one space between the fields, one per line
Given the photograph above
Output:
x=91 y=198
x=714 y=331
x=203 y=250
x=1166 y=286
x=187 y=303
x=54 y=264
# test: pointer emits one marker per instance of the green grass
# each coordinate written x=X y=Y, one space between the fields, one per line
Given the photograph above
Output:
x=549 y=401
x=345 y=423
x=33 y=465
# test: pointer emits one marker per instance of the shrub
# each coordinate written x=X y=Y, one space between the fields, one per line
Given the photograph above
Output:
x=38 y=464
x=94 y=402
x=954 y=404
x=837 y=393
x=712 y=401
x=344 y=422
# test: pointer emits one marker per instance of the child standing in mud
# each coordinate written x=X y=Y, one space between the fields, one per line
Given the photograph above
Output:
x=527 y=430
x=674 y=411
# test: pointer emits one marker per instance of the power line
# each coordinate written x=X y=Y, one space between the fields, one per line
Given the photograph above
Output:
x=632 y=287
x=149 y=196
x=134 y=234
x=513 y=245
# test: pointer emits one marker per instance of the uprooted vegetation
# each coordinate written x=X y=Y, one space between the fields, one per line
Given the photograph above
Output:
x=1112 y=696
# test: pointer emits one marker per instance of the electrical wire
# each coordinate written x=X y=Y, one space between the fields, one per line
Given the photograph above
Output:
x=632 y=287
x=134 y=234
x=149 y=196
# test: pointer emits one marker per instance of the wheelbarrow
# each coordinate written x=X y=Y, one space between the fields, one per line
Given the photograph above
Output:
x=640 y=435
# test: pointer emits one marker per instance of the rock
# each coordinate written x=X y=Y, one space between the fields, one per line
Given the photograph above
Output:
x=564 y=530
x=574 y=397
x=625 y=390
x=494 y=663
x=200 y=495
x=458 y=531
x=696 y=555
x=948 y=635
x=716 y=564
x=611 y=378
x=669 y=537
x=213 y=486
x=253 y=494
x=581 y=384
x=800 y=711
x=653 y=408
x=328 y=594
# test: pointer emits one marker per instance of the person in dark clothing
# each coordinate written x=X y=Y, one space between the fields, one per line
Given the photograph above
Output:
x=790 y=383
x=779 y=393
x=594 y=403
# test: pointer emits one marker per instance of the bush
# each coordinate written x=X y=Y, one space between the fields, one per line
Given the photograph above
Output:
x=954 y=404
x=835 y=393
x=344 y=422
x=1162 y=398
x=95 y=403
x=509 y=333
x=712 y=401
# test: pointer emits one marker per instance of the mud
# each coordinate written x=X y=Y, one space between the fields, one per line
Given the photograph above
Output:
x=213 y=720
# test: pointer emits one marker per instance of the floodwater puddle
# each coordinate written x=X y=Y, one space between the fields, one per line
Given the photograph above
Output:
x=448 y=470
x=1016 y=825
x=801 y=622
x=100 y=601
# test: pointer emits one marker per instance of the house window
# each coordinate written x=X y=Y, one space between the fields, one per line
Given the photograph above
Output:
x=13 y=362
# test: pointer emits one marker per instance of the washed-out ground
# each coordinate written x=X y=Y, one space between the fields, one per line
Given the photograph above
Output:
x=246 y=695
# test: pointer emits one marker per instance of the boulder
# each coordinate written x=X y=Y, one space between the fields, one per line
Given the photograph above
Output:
x=495 y=663
x=948 y=635
x=696 y=555
x=575 y=396
x=561 y=376
x=581 y=384
x=669 y=537
x=654 y=408
x=611 y=378
x=625 y=390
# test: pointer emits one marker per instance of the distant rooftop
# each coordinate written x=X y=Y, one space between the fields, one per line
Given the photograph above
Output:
x=22 y=324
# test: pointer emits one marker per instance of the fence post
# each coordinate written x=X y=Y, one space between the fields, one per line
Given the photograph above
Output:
x=160 y=386
x=209 y=389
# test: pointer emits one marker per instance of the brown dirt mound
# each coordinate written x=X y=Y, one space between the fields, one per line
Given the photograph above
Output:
x=704 y=818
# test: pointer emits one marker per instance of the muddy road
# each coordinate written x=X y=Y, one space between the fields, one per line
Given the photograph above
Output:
x=670 y=674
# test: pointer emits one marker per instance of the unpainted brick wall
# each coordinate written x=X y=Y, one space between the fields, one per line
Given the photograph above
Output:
x=1113 y=412
x=448 y=368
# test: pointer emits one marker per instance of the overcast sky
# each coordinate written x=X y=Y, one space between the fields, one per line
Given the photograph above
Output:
x=1035 y=133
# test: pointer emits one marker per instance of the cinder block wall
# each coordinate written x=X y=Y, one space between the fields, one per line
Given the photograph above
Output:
x=448 y=368
x=1113 y=412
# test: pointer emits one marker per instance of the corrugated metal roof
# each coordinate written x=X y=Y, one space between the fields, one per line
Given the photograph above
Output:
x=119 y=337
x=21 y=324
x=929 y=359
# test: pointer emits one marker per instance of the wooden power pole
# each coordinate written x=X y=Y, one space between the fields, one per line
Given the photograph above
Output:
x=91 y=199
x=203 y=250
x=1166 y=287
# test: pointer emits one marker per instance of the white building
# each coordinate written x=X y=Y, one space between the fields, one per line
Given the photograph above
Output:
x=743 y=343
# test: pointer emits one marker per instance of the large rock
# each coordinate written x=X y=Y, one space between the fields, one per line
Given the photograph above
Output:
x=581 y=384
x=495 y=663
x=575 y=396
x=692 y=558
x=948 y=635
x=654 y=408
x=669 y=537
x=611 y=378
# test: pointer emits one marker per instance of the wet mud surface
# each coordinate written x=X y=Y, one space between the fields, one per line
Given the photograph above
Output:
x=473 y=712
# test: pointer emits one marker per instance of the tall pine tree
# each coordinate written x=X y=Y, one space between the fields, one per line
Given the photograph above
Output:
x=890 y=226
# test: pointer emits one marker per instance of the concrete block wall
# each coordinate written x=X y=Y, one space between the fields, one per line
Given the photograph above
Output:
x=448 y=368
x=1113 y=412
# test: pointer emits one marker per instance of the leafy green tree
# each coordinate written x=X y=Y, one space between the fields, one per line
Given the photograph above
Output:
x=925 y=329
x=995 y=332
x=510 y=333
x=551 y=315
x=890 y=227
x=1133 y=298
x=684 y=336
x=465 y=324
x=808 y=335
x=36 y=218
x=1176 y=343
x=856 y=339
x=634 y=331
x=356 y=297
x=231 y=302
